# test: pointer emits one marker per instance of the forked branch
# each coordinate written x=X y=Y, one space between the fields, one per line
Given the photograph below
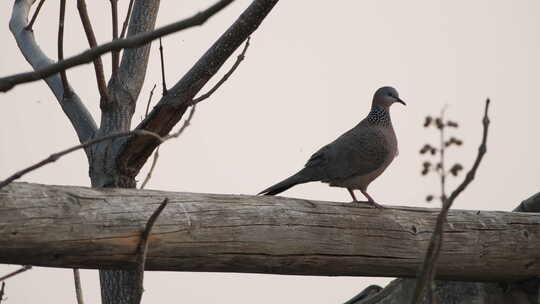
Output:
x=30 y=25
x=170 y=109
x=7 y=83
x=75 y=110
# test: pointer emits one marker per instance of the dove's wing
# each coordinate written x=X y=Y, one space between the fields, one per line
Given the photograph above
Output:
x=357 y=152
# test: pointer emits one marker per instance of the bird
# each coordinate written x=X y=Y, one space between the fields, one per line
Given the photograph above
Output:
x=355 y=158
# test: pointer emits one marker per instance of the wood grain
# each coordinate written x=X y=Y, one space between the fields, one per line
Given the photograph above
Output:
x=77 y=227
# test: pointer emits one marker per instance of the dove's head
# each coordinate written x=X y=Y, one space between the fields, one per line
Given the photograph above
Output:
x=386 y=96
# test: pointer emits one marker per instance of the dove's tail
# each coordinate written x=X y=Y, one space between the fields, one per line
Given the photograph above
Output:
x=298 y=178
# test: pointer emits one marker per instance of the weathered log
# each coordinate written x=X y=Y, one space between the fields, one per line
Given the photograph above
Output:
x=64 y=226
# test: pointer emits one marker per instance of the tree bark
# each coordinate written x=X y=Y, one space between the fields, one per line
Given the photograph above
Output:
x=63 y=226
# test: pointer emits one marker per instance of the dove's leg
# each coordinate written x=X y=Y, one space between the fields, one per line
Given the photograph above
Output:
x=352 y=194
x=369 y=202
x=370 y=199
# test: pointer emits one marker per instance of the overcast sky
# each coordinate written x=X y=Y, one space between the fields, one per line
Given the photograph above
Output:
x=309 y=75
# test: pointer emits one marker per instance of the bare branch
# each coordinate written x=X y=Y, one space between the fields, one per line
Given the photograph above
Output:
x=115 y=54
x=164 y=92
x=2 y=291
x=7 y=83
x=78 y=288
x=175 y=135
x=429 y=265
x=75 y=110
x=142 y=250
x=156 y=153
x=98 y=64
x=151 y=170
x=170 y=109
x=126 y=20
x=149 y=100
x=55 y=156
x=239 y=59
x=34 y=17
x=16 y=272
x=63 y=76
x=481 y=152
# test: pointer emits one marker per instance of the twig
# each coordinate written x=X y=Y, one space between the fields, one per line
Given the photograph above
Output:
x=428 y=268
x=442 y=172
x=481 y=151
x=7 y=83
x=65 y=84
x=16 y=272
x=78 y=288
x=54 y=157
x=142 y=249
x=156 y=153
x=187 y=122
x=162 y=68
x=98 y=64
x=2 y=291
x=152 y=167
x=31 y=23
x=239 y=59
x=126 y=20
x=149 y=101
x=115 y=54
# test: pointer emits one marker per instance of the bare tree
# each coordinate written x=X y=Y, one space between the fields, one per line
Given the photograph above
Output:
x=116 y=161
x=116 y=154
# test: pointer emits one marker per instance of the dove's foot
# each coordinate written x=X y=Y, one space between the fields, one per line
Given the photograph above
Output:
x=370 y=203
x=374 y=204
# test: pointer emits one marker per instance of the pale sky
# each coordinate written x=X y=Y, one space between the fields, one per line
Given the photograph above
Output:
x=309 y=76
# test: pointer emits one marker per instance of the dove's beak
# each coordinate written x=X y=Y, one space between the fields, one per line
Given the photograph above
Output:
x=401 y=101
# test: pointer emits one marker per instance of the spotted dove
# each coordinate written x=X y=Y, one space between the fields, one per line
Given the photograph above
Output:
x=357 y=157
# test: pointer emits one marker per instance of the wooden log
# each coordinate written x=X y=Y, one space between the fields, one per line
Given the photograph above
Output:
x=65 y=226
